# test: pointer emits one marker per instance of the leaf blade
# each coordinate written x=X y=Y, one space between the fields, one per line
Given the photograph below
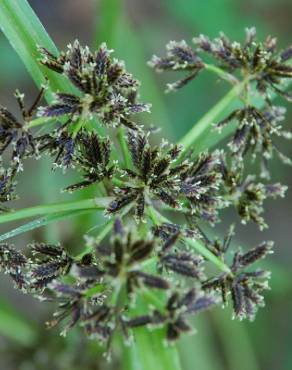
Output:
x=47 y=209
x=25 y=33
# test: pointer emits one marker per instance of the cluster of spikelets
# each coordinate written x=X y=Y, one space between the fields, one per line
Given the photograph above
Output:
x=106 y=285
x=148 y=273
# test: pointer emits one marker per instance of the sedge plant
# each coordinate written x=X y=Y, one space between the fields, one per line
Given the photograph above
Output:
x=155 y=263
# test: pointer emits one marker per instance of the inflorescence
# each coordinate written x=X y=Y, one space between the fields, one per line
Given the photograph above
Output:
x=149 y=272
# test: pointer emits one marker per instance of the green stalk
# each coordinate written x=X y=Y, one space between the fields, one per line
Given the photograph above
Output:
x=124 y=147
x=221 y=73
x=98 y=204
x=195 y=139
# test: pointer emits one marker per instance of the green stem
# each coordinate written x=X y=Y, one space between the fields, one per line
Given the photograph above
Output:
x=106 y=228
x=204 y=125
x=124 y=147
x=152 y=299
x=77 y=127
x=221 y=73
x=47 y=209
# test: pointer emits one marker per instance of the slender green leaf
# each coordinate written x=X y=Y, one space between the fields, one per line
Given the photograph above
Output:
x=25 y=33
x=43 y=221
x=48 y=209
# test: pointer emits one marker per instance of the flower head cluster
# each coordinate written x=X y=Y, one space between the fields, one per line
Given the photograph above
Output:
x=106 y=284
x=261 y=61
x=247 y=194
x=154 y=175
x=242 y=285
x=16 y=132
x=255 y=131
x=180 y=57
x=157 y=175
x=263 y=69
x=153 y=272
x=106 y=89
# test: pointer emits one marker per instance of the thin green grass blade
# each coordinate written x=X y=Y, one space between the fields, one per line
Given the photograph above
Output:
x=40 y=222
x=97 y=204
x=25 y=33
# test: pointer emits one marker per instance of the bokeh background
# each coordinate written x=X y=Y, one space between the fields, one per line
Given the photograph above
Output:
x=136 y=29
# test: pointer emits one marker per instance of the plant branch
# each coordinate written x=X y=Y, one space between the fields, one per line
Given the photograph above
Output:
x=203 y=127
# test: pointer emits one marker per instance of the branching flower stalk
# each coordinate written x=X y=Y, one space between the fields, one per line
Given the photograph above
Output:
x=145 y=255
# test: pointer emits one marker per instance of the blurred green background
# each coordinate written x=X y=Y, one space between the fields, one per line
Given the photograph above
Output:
x=136 y=29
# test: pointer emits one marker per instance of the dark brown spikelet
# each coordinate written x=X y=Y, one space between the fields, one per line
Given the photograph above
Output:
x=256 y=253
x=7 y=186
x=179 y=57
x=136 y=278
x=244 y=286
x=92 y=157
x=200 y=184
x=10 y=259
x=179 y=306
x=183 y=263
x=155 y=175
x=256 y=132
x=106 y=87
x=15 y=133
x=61 y=144
x=48 y=263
